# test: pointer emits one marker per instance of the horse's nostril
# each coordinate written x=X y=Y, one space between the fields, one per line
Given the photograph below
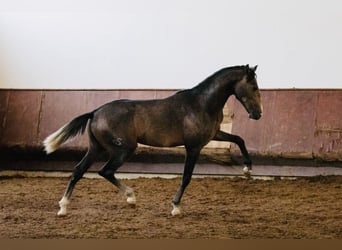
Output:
x=255 y=116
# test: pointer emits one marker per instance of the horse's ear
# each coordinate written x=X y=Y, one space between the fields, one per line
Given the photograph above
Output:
x=247 y=68
x=255 y=68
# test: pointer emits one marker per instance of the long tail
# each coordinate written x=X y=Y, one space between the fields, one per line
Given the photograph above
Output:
x=67 y=132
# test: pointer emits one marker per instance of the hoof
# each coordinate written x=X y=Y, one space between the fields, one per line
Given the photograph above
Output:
x=175 y=211
x=62 y=212
x=131 y=200
x=246 y=171
x=63 y=205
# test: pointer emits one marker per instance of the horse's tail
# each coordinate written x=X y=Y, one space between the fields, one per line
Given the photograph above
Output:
x=67 y=132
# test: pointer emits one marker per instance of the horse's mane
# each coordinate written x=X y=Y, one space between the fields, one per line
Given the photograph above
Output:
x=210 y=78
x=214 y=75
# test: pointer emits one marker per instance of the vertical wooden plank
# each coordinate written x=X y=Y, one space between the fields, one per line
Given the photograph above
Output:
x=97 y=98
x=328 y=130
x=4 y=98
x=164 y=93
x=60 y=107
x=255 y=133
x=138 y=94
x=294 y=123
x=286 y=128
x=22 y=118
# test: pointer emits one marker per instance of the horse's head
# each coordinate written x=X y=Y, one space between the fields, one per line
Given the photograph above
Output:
x=247 y=92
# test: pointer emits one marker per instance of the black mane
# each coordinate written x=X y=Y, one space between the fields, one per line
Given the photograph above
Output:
x=219 y=72
x=212 y=77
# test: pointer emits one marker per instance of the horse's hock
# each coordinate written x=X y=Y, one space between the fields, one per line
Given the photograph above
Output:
x=296 y=124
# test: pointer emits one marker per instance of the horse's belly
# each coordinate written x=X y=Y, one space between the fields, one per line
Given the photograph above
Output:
x=167 y=139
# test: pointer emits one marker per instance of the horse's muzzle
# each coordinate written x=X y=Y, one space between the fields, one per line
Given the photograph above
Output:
x=255 y=116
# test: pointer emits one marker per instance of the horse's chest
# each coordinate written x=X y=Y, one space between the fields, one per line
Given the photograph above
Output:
x=204 y=127
x=216 y=123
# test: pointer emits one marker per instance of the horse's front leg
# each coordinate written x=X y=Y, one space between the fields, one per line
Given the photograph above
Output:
x=191 y=158
x=223 y=136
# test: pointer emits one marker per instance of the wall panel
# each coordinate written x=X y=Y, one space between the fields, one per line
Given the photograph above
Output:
x=295 y=123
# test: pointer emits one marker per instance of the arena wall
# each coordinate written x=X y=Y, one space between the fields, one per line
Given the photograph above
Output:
x=296 y=124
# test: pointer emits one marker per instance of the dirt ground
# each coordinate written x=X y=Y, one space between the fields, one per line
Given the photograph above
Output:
x=213 y=208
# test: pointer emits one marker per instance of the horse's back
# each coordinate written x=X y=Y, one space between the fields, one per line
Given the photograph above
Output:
x=151 y=122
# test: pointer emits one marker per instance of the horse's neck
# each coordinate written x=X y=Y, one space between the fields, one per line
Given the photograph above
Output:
x=214 y=93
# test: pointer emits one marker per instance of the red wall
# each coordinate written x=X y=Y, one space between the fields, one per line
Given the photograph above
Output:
x=295 y=123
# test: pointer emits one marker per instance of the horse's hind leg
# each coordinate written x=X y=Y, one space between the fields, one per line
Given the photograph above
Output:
x=77 y=174
x=108 y=172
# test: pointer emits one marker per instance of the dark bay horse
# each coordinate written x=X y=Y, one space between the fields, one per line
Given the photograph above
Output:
x=190 y=117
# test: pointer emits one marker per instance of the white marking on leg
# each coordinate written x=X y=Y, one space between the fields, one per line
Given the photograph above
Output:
x=246 y=171
x=131 y=200
x=176 y=210
x=63 y=206
x=130 y=196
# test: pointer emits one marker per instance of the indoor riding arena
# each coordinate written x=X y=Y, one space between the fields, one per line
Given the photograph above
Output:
x=196 y=120
x=294 y=191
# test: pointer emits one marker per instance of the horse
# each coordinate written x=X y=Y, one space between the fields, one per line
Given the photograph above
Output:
x=190 y=117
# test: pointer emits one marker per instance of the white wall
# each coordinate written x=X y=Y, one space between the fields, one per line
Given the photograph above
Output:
x=168 y=44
